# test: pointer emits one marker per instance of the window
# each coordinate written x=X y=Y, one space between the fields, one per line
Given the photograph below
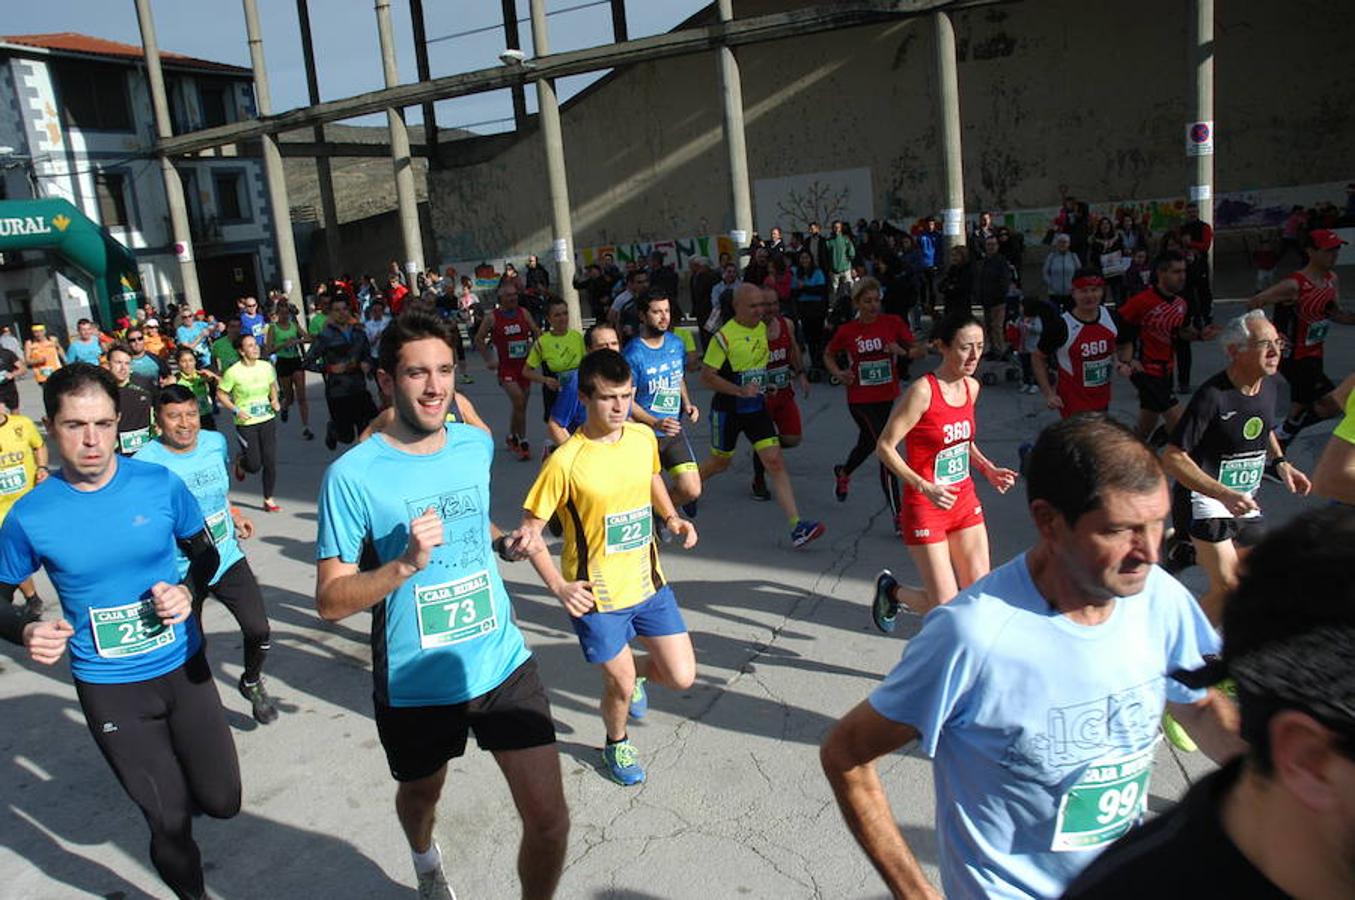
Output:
x=231 y=203
x=218 y=103
x=94 y=96
x=111 y=190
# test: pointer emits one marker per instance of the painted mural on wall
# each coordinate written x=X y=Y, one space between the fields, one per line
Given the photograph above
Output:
x=793 y=201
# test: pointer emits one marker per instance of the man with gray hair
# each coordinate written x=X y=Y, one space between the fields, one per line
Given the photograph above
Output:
x=1218 y=453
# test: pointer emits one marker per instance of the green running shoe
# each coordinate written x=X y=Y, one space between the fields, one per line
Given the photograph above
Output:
x=639 y=700
x=1177 y=735
x=623 y=763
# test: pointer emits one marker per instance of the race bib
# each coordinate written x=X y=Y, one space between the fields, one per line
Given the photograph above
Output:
x=778 y=379
x=260 y=410
x=1096 y=372
x=45 y=371
x=519 y=349
x=874 y=372
x=129 y=630
x=131 y=441
x=951 y=465
x=1317 y=332
x=1242 y=473
x=629 y=530
x=218 y=526
x=754 y=376
x=13 y=479
x=667 y=401
x=1106 y=801
x=455 y=611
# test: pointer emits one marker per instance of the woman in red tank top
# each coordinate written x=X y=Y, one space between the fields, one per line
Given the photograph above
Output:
x=510 y=331
x=942 y=520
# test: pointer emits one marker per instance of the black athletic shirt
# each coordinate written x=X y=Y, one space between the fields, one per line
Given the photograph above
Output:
x=1183 y=853
x=135 y=407
x=1227 y=434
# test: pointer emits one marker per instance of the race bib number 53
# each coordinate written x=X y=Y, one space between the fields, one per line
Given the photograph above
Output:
x=1106 y=801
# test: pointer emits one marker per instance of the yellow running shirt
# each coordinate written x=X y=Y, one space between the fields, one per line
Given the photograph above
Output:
x=1346 y=430
x=602 y=495
x=248 y=387
x=19 y=438
x=561 y=353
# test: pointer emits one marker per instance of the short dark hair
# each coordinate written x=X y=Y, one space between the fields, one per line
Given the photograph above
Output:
x=1167 y=258
x=185 y=349
x=657 y=293
x=947 y=327
x=411 y=325
x=1075 y=461
x=83 y=322
x=555 y=301
x=1086 y=272
x=174 y=393
x=119 y=347
x=602 y=365
x=594 y=329
x=77 y=378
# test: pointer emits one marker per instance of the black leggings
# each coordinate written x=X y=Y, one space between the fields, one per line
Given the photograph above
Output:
x=870 y=419
x=259 y=450
x=548 y=398
x=349 y=414
x=167 y=741
x=813 y=314
x=238 y=590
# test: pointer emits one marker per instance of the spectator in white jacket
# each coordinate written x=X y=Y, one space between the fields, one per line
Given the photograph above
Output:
x=1059 y=267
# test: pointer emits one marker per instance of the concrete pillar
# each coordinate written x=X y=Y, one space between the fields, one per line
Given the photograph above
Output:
x=430 y=113
x=619 y=30
x=272 y=162
x=174 y=198
x=549 y=110
x=513 y=41
x=948 y=110
x=1202 y=61
x=399 y=136
x=329 y=212
x=735 y=142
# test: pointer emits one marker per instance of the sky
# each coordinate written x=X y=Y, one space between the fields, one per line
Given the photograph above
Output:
x=348 y=59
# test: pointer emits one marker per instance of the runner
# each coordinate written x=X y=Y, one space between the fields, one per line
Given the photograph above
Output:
x=283 y=342
x=224 y=354
x=85 y=347
x=419 y=495
x=43 y=353
x=11 y=370
x=249 y=389
x=512 y=332
x=555 y=353
x=1083 y=345
x=319 y=315
x=201 y=459
x=1218 y=452
x=194 y=333
x=203 y=384
x=784 y=365
x=23 y=465
x=253 y=320
x=106 y=530
x=735 y=368
x=1334 y=476
x=136 y=405
x=340 y=352
x=658 y=361
x=1306 y=303
x=569 y=413
x=1158 y=317
x=1273 y=823
x=147 y=369
x=942 y=520
x=1037 y=691
x=605 y=485
x=877 y=347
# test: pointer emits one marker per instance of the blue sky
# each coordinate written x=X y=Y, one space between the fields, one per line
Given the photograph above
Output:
x=347 y=56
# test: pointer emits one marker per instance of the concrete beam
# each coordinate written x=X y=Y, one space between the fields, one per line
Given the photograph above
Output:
x=701 y=39
x=339 y=150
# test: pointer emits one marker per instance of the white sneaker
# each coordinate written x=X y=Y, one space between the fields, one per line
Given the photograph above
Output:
x=433 y=886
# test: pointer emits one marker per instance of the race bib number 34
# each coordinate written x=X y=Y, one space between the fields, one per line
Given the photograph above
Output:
x=630 y=530
x=455 y=611
x=129 y=630
x=1104 y=803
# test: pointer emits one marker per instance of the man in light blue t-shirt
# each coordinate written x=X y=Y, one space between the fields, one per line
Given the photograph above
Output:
x=1038 y=690
x=85 y=346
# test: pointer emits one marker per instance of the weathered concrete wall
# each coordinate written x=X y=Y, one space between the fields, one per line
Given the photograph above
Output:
x=1093 y=96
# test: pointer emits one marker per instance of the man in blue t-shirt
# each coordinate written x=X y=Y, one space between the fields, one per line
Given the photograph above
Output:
x=1038 y=690
x=196 y=334
x=201 y=459
x=568 y=411
x=447 y=657
x=85 y=346
x=252 y=319
x=658 y=361
x=106 y=529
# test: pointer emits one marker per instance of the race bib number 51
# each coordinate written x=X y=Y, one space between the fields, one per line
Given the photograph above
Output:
x=129 y=630
x=455 y=611
x=1106 y=801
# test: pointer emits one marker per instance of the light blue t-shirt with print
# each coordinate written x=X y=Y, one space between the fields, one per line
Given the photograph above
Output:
x=447 y=634
x=658 y=374
x=1042 y=730
x=84 y=351
x=205 y=471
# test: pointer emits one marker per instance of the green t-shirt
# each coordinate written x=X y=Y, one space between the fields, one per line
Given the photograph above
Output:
x=561 y=353
x=249 y=388
x=201 y=388
x=281 y=336
x=224 y=354
x=317 y=324
x=740 y=355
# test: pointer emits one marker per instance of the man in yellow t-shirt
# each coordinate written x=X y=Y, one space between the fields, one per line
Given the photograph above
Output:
x=605 y=486
x=556 y=353
x=23 y=464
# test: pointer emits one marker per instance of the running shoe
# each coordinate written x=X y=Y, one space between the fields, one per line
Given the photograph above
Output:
x=759 y=489
x=689 y=509
x=433 y=885
x=331 y=437
x=884 y=609
x=261 y=704
x=639 y=699
x=511 y=442
x=806 y=531
x=270 y=506
x=239 y=468
x=843 y=482
x=1177 y=735
x=307 y=434
x=524 y=451
x=623 y=763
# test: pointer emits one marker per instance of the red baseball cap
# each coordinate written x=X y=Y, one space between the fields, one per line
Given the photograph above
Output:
x=1325 y=239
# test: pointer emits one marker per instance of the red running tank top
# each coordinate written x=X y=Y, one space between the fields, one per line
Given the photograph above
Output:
x=512 y=338
x=937 y=447
x=778 y=358
x=1086 y=362
x=1307 y=331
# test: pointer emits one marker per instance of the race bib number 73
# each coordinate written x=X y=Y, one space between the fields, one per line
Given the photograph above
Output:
x=455 y=611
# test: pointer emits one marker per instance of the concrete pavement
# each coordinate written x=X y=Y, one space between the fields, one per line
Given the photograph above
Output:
x=735 y=805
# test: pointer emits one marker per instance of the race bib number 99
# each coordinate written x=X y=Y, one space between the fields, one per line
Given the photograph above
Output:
x=1106 y=801
x=455 y=611
x=129 y=630
x=628 y=531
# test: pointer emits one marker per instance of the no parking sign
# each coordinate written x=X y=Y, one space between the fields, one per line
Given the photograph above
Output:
x=1200 y=139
